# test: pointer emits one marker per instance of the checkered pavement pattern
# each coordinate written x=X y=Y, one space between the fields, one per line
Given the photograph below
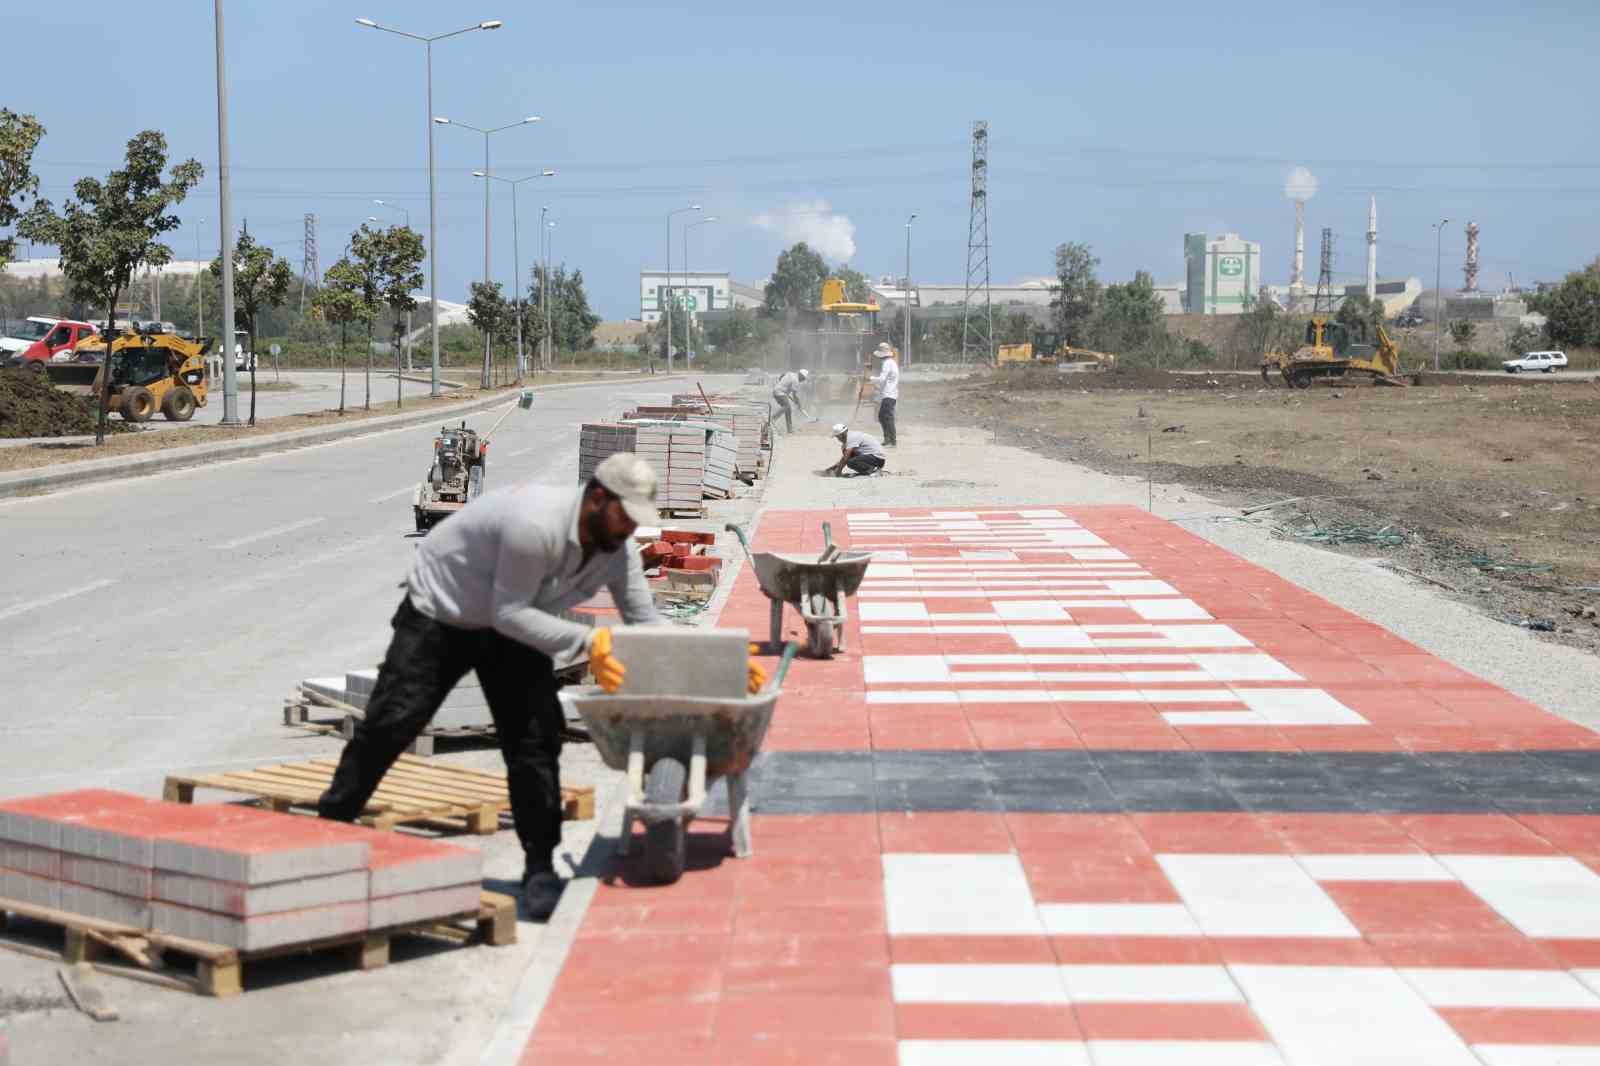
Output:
x=1087 y=789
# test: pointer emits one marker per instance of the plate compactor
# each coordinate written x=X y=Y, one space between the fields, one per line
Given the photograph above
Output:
x=455 y=478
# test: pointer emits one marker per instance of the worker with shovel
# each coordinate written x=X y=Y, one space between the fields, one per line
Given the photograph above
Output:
x=787 y=392
x=859 y=453
x=887 y=382
x=485 y=593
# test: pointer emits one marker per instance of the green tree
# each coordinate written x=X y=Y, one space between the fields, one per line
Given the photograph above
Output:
x=1462 y=331
x=856 y=289
x=1014 y=327
x=112 y=226
x=397 y=254
x=1078 y=292
x=796 y=282
x=19 y=136
x=341 y=300
x=572 y=323
x=488 y=312
x=1257 y=331
x=261 y=279
x=1130 y=316
x=1573 y=308
x=1525 y=339
x=1361 y=316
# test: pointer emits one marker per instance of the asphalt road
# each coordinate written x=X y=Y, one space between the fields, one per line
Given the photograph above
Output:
x=155 y=625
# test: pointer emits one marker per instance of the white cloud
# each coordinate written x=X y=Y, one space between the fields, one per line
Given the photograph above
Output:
x=830 y=234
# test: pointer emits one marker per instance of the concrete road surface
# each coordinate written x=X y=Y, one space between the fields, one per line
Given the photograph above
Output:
x=156 y=625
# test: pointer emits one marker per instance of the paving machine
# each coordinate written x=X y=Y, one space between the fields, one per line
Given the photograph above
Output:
x=1046 y=347
x=148 y=373
x=1330 y=352
x=455 y=478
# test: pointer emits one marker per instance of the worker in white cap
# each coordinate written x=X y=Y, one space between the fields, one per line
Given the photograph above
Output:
x=887 y=382
x=485 y=593
x=860 y=453
x=787 y=392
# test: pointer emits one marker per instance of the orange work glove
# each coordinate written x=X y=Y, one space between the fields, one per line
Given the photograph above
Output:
x=758 y=676
x=603 y=665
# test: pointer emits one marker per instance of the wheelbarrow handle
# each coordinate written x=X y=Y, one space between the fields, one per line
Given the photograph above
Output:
x=743 y=543
x=828 y=550
x=790 y=650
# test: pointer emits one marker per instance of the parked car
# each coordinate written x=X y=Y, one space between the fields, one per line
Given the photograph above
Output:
x=37 y=340
x=1549 y=362
x=243 y=358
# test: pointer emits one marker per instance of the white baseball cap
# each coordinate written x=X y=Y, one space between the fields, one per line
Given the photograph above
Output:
x=839 y=429
x=633 y=481
x=804 y=374
x=883 y=351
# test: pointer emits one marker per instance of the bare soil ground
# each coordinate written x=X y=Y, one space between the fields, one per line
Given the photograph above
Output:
x=1494 y=483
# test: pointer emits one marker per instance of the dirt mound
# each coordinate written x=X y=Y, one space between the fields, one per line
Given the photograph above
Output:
x=1148 y=379
x=32 y=407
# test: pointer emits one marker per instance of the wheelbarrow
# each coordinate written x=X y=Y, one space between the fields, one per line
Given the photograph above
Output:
x=817 y=588
x=674 y=748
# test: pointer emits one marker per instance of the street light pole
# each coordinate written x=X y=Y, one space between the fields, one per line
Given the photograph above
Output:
x=230 y=376
x=199 y=284
x=910 y=220
x=549 y=240
x=1438 y=292
x=433 y=199
x=688 y=331
x=667 y=294
x=487 y=174
x=407 y=214
x=516 y=252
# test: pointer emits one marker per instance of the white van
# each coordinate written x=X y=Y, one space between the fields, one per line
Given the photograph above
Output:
x=1548 y=362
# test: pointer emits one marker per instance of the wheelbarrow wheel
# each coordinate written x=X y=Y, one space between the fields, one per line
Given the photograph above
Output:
x=821 y=632
x=666 y=841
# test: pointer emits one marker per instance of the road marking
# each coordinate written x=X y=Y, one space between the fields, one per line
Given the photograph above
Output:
x=522 y=451
x=391 y=495
x=46 y=601
x=265 y=533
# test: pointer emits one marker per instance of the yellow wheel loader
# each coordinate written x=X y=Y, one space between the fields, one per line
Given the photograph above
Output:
x=1047 y=348
x=149 y=373
x=1330 y=353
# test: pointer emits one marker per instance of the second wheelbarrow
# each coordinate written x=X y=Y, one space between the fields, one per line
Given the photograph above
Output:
x=817 y=587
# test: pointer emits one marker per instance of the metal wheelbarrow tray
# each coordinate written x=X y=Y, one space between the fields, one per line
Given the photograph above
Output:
x=817 y=587
x=673 y=748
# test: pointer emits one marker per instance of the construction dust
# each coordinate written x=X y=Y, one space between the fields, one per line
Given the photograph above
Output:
x=32 y=407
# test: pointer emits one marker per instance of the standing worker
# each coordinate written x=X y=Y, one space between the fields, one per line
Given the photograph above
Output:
x=859 y=452
x=887 y=383
x=484 y=593
x=787 y=392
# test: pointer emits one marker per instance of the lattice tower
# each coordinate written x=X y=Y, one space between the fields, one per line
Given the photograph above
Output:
x=310 y=274
x=977 y=313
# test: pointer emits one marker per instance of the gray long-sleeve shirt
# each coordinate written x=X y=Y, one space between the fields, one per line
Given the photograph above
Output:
x=510 y=561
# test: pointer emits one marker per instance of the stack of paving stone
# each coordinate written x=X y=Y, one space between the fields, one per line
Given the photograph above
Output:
x=597 y=440
x=678 y=454
x=223 y=874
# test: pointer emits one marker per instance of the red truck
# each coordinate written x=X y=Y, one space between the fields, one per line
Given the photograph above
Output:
x=37 y=340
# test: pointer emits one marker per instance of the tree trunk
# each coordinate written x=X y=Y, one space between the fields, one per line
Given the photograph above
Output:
x=399 y=379
x=369 y=365
x=105 y=369
x=343 y=363
x=252 y=336
x=483 y=379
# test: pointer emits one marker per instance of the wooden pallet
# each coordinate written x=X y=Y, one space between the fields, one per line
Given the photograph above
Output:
x=413 y=791
x=219 y=970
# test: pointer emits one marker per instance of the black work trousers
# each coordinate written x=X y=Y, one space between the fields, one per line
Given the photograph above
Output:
x=424 y=662
x=886 y=420
x=788 y=412
x=864 y=464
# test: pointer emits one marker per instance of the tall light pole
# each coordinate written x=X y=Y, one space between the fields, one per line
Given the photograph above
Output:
x=910 y=220
x=230 y=376
x=688 y=330
x=1438 y=292
x=199 y=284
x=405 y=212
x=487 y=173
x=546 y=239
x=516 y=253
x=433 y=200
x=668 y=293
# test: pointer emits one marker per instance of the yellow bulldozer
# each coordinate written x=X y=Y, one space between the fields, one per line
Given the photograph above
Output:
x=1331 y=353
x=148 y=373
x=1047 y=347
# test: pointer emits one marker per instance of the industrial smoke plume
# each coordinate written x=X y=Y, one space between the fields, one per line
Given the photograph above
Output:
x=1301 y=185
x=829 y=233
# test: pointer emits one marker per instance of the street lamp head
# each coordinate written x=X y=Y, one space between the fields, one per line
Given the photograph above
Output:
x=548 y=174
x=441 y=120
x=368 y=23
x=491 y=24
x=694 y=207
x=703 y=221
x=532 y=118
x=479 y=174
x=912 y=219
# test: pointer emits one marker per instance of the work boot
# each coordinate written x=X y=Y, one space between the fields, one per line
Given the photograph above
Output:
x=540 y=894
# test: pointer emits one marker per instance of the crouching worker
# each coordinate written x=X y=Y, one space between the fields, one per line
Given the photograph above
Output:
x=859 y=453
x=485 y=593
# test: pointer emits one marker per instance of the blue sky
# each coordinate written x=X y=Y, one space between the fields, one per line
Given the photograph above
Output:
x=1120 y=125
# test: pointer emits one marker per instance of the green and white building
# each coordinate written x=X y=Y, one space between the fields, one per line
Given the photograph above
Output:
x=1224 y=275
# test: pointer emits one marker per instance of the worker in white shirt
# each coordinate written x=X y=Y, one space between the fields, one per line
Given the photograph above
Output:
x=786 y=394
x=887 y=382
x=485 y=593
x=859 y=452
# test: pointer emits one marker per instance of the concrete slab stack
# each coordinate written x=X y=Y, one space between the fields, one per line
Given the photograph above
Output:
x=225 y=874
x=597 y=440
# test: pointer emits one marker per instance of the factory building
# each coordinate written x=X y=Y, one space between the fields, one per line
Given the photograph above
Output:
x=1223 y=275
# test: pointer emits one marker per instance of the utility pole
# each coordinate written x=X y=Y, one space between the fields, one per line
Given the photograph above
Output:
x=1438 y=292
x=977 y=322
x=910 y=220
x=230 y=376
x=667 y=292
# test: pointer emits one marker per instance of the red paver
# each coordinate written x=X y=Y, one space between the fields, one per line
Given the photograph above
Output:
x=847 y=934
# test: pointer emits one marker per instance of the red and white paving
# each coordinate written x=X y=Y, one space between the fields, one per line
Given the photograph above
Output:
x=1087 y=789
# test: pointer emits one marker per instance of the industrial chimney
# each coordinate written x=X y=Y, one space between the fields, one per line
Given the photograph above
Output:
x=1372 y=249
x=1300 y=186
